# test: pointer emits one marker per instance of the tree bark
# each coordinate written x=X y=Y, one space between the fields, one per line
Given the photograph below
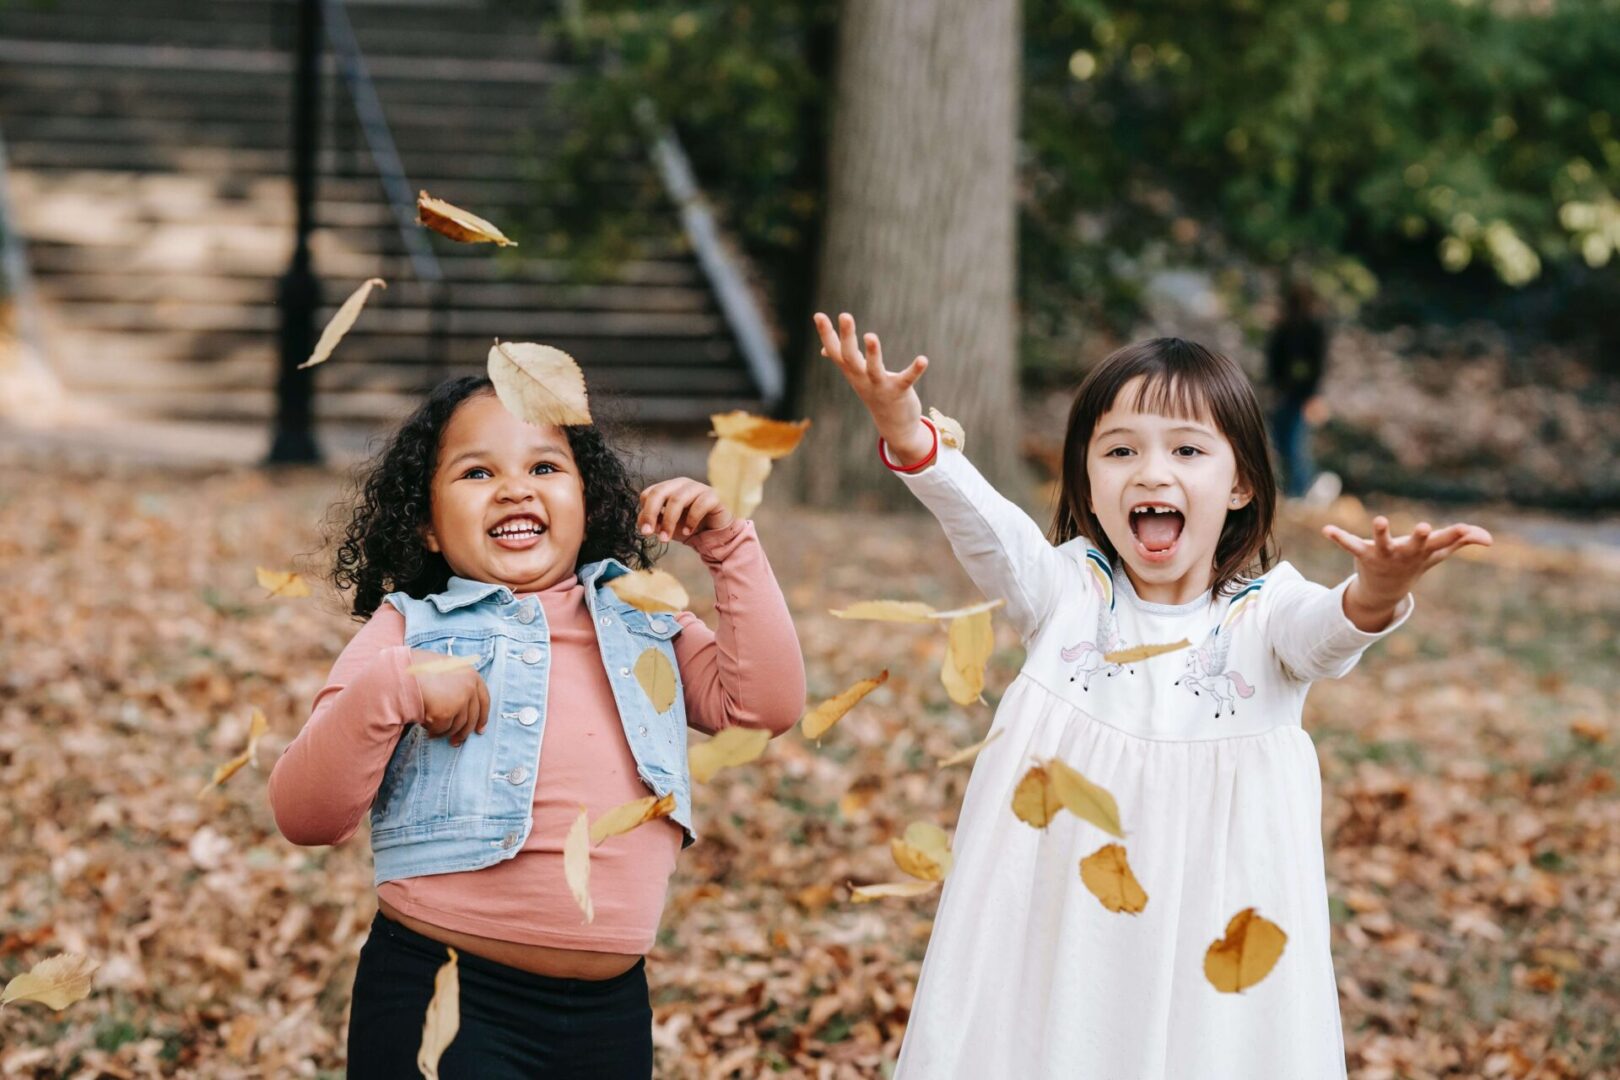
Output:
x=919 y=235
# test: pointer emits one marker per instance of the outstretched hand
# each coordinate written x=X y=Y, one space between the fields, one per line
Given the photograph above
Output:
x=1389 y=565
x=890 y=396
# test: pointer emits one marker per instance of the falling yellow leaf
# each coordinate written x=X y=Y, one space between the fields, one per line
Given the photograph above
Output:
x=577 y=863
x=58 y=981
x=820 y=719
x=738 y=475
x=1143 y=652
x=342 y=322
x=1107 y=874
x=967 y=754
x=650 y=590
x=950 y=432
x=730 y=746
x=257 y=728
x=862 y=894
x=1084 y=799
x=443 y=1018
x=283 y=583
x=773 y=438
x=971 y=609
x=969 y=643
x=456 y=223
x=657 y=677
x=888 y=611
x=637 y=812
x=924 y=853
x=1246 y=954
x=1034 y=801
x=442 y=665
x=539 y=384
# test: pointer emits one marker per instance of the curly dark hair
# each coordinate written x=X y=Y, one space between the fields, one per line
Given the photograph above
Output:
x=381 y=550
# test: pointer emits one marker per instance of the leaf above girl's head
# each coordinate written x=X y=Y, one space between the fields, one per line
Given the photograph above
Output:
x=862 y=894
x=58 y=981
x=443 y=1019
x=819 y=720
x=652 y=591
x=657 y=678
x=539 y=384
x=737 y=474
x=457 y=224
x=1246 y=954
x=577 y=863
x=773 y=438
x=287 y=584
x=1107 y=873
x=633 y=814
x=730 y=746
x=342 y=322
x=258 y=727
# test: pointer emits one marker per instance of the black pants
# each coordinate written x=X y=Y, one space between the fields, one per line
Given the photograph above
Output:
x=514 y=1025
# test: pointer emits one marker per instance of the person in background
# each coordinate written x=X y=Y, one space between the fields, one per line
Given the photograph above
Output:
x=1296 y=353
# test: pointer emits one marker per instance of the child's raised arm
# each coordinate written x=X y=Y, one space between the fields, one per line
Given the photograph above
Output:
x=1003 y=551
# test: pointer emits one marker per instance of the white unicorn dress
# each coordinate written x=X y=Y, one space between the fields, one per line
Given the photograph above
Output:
x=1027 y=976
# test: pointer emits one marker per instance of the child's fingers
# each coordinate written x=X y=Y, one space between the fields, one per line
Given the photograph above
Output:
x=874 y=356
x=1381 y=537
x=913 y=372
x=829 y=339
x=701 y=507
x=670 y=517
x=848 y=344
x=652 y=505
x=1355 y=545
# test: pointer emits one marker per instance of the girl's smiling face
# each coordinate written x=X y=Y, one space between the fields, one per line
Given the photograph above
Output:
x=1186 y=471
x=508 y=499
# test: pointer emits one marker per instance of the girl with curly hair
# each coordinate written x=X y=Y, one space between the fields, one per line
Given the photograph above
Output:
x=479 y=536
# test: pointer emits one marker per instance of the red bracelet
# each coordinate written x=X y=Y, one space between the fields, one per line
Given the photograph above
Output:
x=883 y=453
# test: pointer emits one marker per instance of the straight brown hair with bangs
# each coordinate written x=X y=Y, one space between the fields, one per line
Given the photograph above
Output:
x=1187 y=381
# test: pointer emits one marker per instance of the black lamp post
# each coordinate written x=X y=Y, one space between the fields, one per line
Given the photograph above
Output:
x=299 y=294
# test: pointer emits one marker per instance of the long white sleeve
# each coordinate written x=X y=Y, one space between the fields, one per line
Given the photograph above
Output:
x=1308 y=630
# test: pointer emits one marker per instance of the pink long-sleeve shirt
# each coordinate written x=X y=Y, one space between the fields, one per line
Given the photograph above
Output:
x=748 y=674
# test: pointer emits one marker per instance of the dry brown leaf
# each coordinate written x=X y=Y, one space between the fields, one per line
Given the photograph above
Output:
x=773 y=438
x=1246 y=954
x=1107 y=873
x=1083 y=799
x=924 y=853
x=57 y=981
x=967 y=754
x=657 y=677
x=862 y=894
x=950 y=432
x=738 y=476
x=819 y=720
x=637 y=812
x=258 y=727
x=443 y=1018
x=442 y=665
x=539 y=384
x=1034 y=800
x=1143 y=652
x=650 y=590
x=911 y=611
x=729 y=747
x=342 y=322
x=456 y=223
x=286 y=584
x=577 y=863
x=969 y=642
x=1588 y=729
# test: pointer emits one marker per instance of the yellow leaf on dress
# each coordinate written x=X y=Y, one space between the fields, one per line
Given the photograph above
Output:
x=442 y=665
x=258 y=727
x=1107 y=873
x=1144 y=652
x=730 y=746
x=342 y=322
x=950 y=432
x=737 y=474
x=443 y=1018
x=970 y=640
x=819 y=720
x=283 y=583
x=456 y=223
x=1034 y=801
x=862 y=894
x=657 y=677
x=637 y=812
x=539 y=384
x=651 y=591
x=924 y=853
x=773 y=438
x=912 y=611
x=58 y=981
x=967 y=754
x=1246 y=954
x=1084 y=799
x=577 y=863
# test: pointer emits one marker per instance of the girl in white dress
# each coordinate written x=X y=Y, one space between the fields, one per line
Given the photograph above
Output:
x=1163 y=534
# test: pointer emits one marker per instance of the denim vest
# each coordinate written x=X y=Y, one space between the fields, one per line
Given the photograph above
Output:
x=442 y=808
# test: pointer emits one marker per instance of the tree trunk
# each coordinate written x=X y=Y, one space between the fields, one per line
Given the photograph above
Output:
x=919 y=234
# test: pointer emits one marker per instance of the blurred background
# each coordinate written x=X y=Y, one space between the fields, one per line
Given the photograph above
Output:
x=1400 y=217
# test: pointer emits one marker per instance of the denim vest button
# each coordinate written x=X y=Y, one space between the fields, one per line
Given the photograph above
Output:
x=624 y=671
x=657 y=625
x=642 y=729
x=509 y=840
x=605 y=621
x=532 y=654
x=517 y=775
x=528 y=715
x=525 y=614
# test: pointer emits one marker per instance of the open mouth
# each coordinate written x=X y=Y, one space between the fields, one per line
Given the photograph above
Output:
x=1157 y=530
x=518 y=532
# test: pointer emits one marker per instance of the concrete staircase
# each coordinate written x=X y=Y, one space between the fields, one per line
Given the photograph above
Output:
x=150 y=160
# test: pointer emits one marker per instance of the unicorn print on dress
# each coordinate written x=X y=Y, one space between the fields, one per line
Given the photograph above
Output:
x=1205 y=670
x=1091 y=657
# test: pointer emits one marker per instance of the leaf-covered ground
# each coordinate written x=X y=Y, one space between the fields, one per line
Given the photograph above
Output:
x=1473 y=832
